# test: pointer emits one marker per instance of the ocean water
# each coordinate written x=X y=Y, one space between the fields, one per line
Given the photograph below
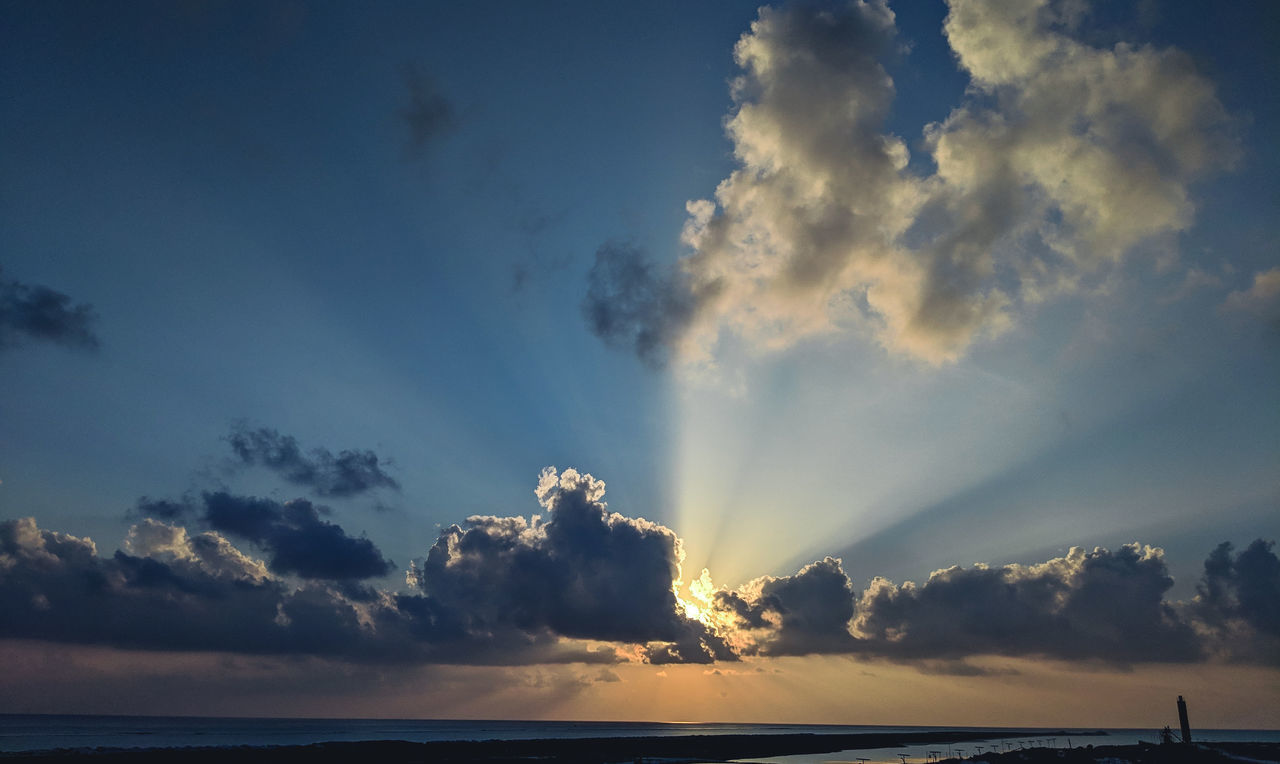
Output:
x=22 y=732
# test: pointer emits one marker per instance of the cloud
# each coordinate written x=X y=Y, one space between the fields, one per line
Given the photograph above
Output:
x=798 y=615
x=181 y=594
x=32 y=312
x=1263 y=296
x=298 y=540
x=587 y=585
x=429 y=115
x=1087 y=605
x=496 y=590
x=349 y=473
x=633 y=304
x=172 y=591
x=165 y=509
x=1098 y=605
x=585 y=573
x=209 y=552
x=961 y=668
x=1238 y=603
x=1063 y=161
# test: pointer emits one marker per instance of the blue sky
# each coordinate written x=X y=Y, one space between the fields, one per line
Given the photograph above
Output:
x=377 y=229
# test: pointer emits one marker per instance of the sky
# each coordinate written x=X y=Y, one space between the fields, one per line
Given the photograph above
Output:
x=858 y=362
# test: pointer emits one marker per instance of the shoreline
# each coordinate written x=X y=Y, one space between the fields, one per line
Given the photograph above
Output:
x=709 y=748
x=669 y=750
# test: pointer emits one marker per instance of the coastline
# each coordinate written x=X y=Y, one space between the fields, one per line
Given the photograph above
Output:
x=709 y=748
x=680 y=749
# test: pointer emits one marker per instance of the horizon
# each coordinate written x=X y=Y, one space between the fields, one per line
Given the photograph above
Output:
x=1086 y=728
x=861 y=361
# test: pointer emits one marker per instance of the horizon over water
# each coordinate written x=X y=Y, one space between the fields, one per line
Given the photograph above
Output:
x=32 y=732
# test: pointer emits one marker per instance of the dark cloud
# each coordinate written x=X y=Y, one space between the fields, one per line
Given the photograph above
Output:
x=37 y=313
x=186 y=596
x=589 y=585
x=499 y=590
x=801 y=614
x=1238 y=602
x=347 y=474
x=1088 y=605
x=171 y=591
x=584 y=573
x=298 y=540
x=1098 y=605
x=294 y=534
x=164 y=509
x=429 y=115
x=631 y=303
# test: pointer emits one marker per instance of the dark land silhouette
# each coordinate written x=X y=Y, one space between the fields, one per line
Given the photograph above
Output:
x=576 y=751
x=665 y=749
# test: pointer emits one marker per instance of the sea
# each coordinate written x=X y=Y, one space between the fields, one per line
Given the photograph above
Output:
x=33 y=732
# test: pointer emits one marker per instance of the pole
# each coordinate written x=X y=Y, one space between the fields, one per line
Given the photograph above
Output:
x=1182 y=718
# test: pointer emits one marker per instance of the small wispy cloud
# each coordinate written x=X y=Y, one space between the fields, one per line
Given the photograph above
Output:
x=429 y=115
x=348 y=473
x=33 y=313
x=1262 y=296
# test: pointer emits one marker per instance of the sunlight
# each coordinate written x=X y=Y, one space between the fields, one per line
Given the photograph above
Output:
x=697 y=600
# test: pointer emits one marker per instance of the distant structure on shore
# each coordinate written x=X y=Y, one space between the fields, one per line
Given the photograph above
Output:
x=1182 y=719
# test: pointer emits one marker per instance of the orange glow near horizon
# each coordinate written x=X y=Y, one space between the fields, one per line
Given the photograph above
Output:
x=1009 y=692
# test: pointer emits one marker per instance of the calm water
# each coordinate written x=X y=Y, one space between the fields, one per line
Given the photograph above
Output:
x=36 y=732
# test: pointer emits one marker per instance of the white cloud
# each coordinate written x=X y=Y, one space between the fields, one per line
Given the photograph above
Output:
x=1064 y=160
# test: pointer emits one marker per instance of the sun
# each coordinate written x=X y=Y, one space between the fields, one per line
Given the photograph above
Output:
x=697 y=600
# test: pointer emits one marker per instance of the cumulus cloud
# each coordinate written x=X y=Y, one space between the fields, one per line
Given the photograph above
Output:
x=585 y=572
x=1064 y=159
x=188 y=595
x=587 y=585
x=349 y=473
x=1100 y=604
x=207 y=551
x=794 y=615
x=593 y=586
x=37 y=313
x=171 y=591
x=1237 y=605
x=298 y=540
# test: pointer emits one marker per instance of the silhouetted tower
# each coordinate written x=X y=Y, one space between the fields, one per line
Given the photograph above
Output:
x=1182 y=718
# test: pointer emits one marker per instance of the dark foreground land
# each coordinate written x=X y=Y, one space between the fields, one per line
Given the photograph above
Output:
x=706 y=748
x=572 y=751
x=1142 y=753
